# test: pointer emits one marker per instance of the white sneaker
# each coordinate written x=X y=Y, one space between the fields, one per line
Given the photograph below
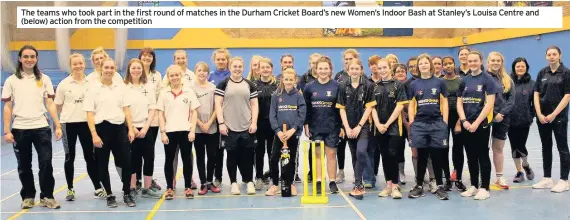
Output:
x=385 y=192
x=250 y=188
x=545 y=183
x=482 y=194
x=561 y=186
x=340 y=176
x=396 y=194
x=235 y=189
x=472 y=191
x=502 y=183
x=432 y=186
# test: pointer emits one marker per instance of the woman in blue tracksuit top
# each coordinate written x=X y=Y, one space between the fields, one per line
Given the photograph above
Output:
x=504 y=104
x=287 y=108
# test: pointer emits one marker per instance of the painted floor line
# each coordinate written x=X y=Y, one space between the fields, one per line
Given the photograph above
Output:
x=179 y=210
x=351 y=205
x=161 y=200
x=37 y=184
x=62 y=188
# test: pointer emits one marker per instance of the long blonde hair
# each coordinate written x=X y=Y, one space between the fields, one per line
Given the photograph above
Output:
x=252 y=75
x=502 y=74
x=281 y=86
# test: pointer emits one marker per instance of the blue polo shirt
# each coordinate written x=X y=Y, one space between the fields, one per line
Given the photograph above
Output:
x=322 y=116
x=473 y=91
x=426 y=93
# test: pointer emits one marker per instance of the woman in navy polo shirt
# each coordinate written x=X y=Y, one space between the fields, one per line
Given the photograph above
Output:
x=475 y=100
x=322 y=120
x=428 y=112
x=551 y=96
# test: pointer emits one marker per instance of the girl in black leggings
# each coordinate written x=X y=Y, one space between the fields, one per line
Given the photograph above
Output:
x=143 y=107
x=177 y=113
x=551 y=96
x=107 y=106
x=69 y=100
x=452 y=81
x=475 y=102
x=390 y=97
x=287 y=108
x=207 y=137
x=521 y=118
x=266 y=85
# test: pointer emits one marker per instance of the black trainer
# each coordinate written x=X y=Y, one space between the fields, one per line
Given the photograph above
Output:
x=319 y=191
x=128 y=200
x=309 y=177
x=440 y=193
x=111 y=203
x=297 y=178
x=460 y=186
x=266 y=177
x=416 y=192
x=333 y=187
x=448 y=185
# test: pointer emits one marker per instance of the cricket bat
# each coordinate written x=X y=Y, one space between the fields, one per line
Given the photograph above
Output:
x=285 y=156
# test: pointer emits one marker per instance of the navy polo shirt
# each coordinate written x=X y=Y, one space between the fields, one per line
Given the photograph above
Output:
x=473 y=91
x=426 y=93
x=322 y=116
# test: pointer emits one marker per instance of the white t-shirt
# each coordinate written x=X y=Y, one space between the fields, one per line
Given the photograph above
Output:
x=107 y=102
x=142 y=99
x=71 y=95
x=27 y=96
x=177 y=107
x=156 y=80
x=188 y=78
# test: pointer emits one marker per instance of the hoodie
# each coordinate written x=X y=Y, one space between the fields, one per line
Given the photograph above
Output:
x=523 y=112
x=288 y=108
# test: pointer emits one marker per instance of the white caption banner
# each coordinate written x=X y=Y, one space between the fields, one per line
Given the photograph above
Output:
x=290 y=17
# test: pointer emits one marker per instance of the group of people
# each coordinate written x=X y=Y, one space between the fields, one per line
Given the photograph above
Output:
x=246 y=115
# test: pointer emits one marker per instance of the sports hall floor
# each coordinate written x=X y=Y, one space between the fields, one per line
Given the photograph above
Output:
x=520 y=202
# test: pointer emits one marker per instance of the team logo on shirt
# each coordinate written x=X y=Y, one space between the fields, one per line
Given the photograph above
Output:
x=185 y=100
x=420 y=92
x=145 y=92
x=78 y=101
x=223 y=143
x=315 y=93
x=391 y=94
x=280 y=99
x=479 y=88
x=444 y=142
x=433 y=91
x=329 y=93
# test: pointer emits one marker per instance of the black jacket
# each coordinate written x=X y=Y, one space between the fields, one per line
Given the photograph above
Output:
x=523 y=111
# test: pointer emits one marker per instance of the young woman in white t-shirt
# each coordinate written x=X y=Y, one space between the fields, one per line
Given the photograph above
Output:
x=142 y=96
x=177 y=106
x=109 y=119
x=148 y=58
x=69 y=98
